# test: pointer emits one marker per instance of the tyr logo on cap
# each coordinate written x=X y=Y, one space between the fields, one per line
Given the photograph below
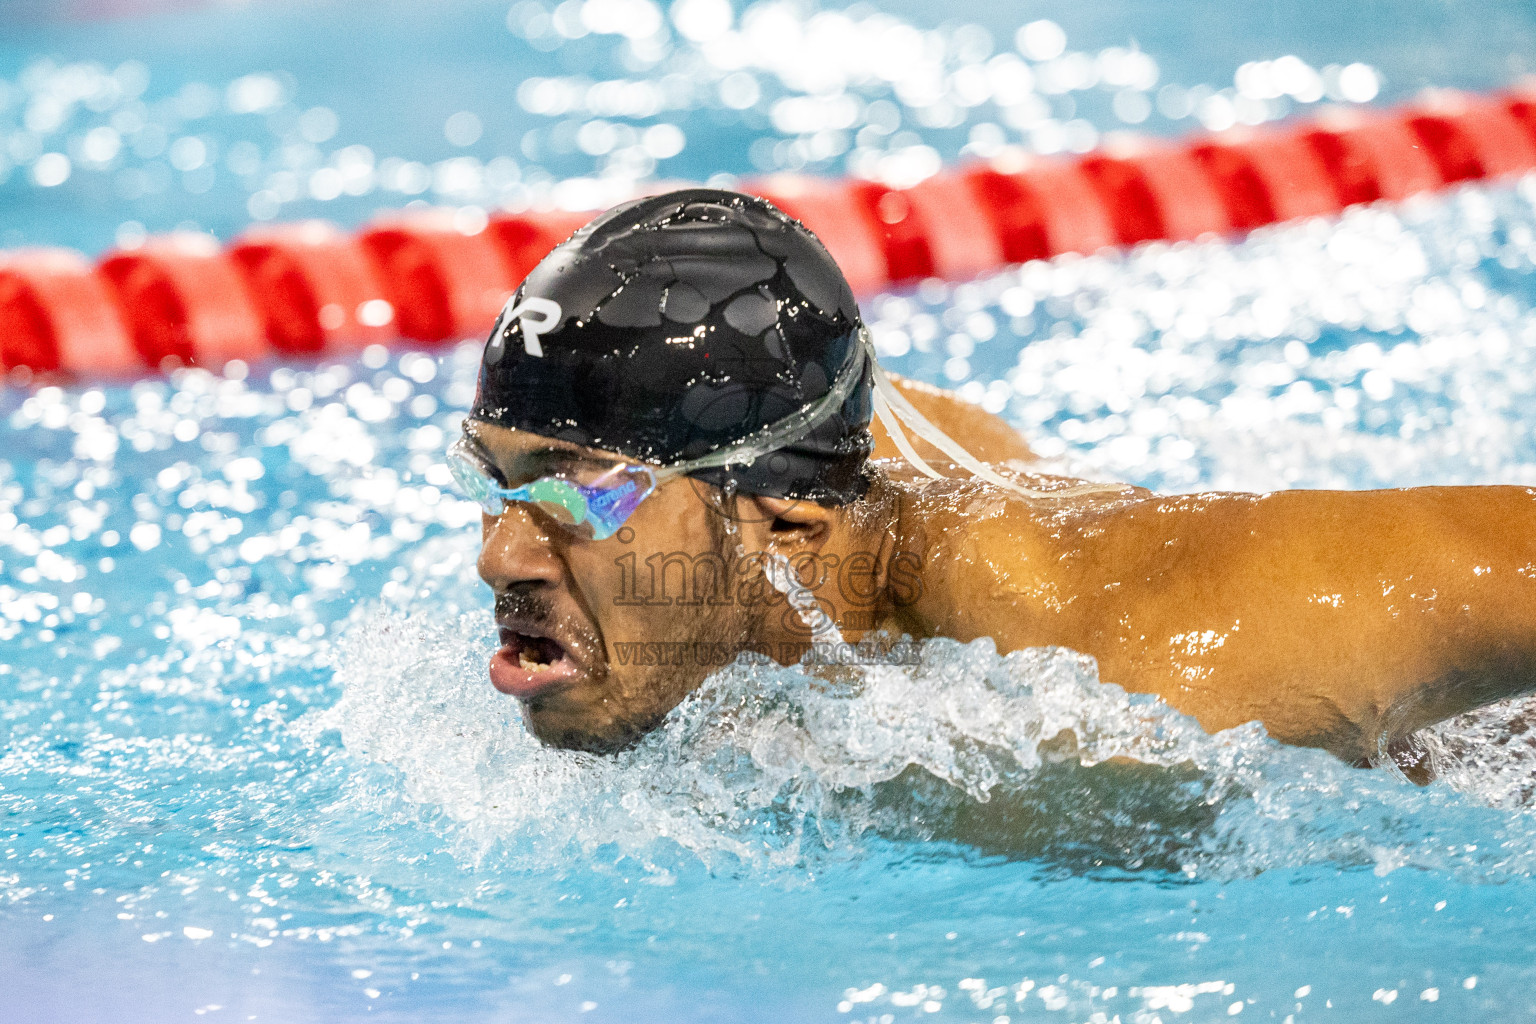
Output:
x=536 y=316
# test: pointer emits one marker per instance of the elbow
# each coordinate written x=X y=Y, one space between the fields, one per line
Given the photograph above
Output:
x=1388 y=728
x=1352 y=734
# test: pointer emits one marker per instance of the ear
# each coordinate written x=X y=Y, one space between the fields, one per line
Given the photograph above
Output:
x=796 y=521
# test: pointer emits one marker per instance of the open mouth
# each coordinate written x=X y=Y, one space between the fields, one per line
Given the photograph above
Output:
x=529 y=664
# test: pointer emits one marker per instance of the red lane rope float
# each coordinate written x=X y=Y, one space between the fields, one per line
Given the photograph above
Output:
x=316 y=287
x=1472 y=136
x=185 y=303
x=1156 y=191
x=57 y=313
x=1523 y=109
x=1371 y=157
x=1037 y=210
x=525 y=239
x=439 y=274
x=924 y=232
x=443 y=282
x=1269 y=177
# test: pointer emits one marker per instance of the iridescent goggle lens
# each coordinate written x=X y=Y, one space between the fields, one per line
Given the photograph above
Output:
x=597 y=500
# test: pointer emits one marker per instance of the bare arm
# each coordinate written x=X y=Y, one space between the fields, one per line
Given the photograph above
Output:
x=1343 y=620
x=984 y=435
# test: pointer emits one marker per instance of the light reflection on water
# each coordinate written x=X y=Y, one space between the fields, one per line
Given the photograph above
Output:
x=572 y=104
x=251 y=767
x=248 y=728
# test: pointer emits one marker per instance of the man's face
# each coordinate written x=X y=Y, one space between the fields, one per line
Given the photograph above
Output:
x=601 y=638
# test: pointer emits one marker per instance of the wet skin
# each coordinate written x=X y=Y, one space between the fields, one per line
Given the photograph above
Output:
x=551 y=585
x=1342 y=620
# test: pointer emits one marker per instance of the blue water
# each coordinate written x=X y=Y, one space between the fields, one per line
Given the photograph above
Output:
x=209 y=119
x=252 y=769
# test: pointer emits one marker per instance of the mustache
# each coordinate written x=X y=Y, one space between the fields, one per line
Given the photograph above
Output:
x=522 y=605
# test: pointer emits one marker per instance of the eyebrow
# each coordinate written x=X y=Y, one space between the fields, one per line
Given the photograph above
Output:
x=532 y=462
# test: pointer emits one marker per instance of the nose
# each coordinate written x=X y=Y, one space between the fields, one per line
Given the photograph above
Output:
x=518 y=549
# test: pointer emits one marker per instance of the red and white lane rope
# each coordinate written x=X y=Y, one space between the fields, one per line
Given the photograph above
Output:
x=310 y=288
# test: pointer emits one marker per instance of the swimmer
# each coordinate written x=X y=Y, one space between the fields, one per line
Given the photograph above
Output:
x=680 y=419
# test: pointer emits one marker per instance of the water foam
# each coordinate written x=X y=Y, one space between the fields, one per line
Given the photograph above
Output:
x=776 y=770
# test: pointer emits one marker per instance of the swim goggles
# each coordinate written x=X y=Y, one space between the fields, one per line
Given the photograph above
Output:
x=597 y=496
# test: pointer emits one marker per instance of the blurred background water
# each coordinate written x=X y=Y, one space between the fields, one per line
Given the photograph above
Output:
x=251 y=767
x=230 y=113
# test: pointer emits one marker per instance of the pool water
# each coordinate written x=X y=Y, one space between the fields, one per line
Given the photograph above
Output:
x=251 y=766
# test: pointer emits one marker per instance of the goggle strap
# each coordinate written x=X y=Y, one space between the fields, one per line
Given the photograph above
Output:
x=894 y=411
x=787 y=430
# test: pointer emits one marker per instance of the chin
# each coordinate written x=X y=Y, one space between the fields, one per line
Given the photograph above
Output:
x=608 y=715
x=568 y=729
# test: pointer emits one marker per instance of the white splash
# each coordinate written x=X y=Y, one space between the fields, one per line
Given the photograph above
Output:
x=772 y=768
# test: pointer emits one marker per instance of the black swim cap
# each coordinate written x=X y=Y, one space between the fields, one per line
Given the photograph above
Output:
x=682 y=324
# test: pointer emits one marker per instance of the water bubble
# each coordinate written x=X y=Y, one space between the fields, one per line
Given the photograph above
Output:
x=144 y=536
x=1217 y=112
x=702 y=20
x=463 y=128
x=1132 y=106
x=101 y=145
x=318 y=124
x=253 y=94
x=1041 y=40
x=188 y=153
x=739 y=90
x=1358 y=83
x=375 y=313
x=263 y=205
x=636 y=19
x=663 y=141
x=50 y=170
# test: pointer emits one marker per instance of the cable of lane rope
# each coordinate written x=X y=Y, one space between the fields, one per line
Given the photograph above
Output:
x=309 y=288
